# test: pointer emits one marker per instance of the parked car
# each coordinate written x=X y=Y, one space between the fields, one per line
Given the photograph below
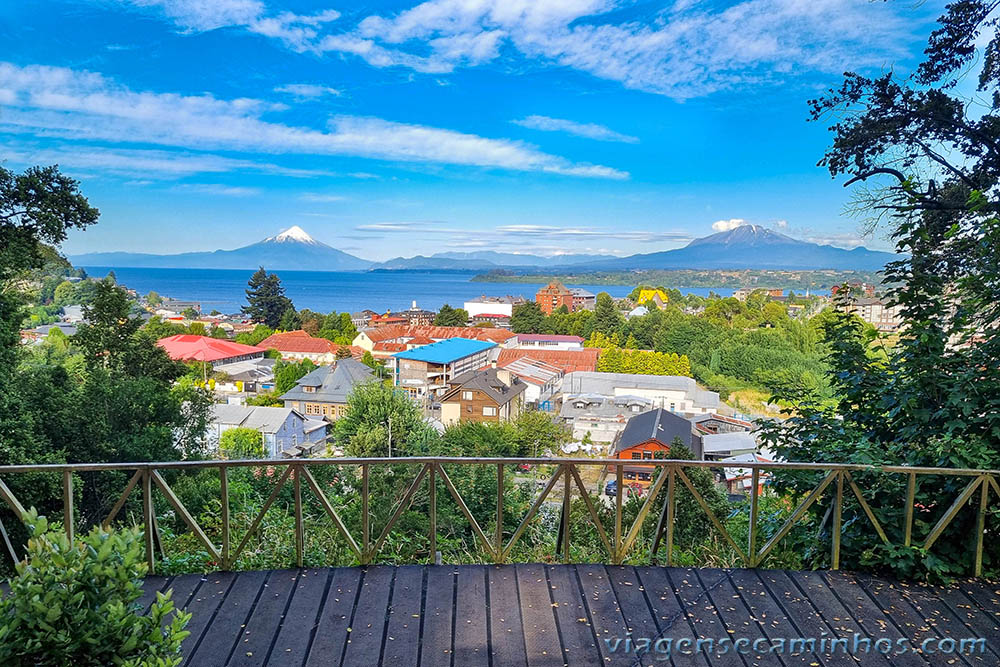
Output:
x=611 y=488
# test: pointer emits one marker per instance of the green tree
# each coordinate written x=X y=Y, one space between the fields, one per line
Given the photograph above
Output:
x=65 y=294
x=374 y=411
x=266 y=300
x=451 y=317
x=607 y=319
x=153 y=299
x=290 y=321
x=527 y=317
x=242 y=443
x=287 y=374
x=255 y=337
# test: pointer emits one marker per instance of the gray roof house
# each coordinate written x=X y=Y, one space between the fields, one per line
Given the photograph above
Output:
x=661 y=426
x=286 y=432
x=324 y=391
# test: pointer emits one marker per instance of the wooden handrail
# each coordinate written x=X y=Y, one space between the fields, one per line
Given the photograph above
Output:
x=431 y=468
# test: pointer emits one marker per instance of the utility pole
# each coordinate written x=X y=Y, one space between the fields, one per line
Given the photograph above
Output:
x=390 y=436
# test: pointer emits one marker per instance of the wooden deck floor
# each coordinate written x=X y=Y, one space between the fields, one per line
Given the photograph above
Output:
x=468 y=616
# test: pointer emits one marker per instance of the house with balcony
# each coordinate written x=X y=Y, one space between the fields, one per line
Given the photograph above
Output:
x=383 y=342
x=489 y=395
x=426 y=372
x=582 y=299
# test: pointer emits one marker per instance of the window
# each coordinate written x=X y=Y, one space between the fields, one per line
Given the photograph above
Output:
x=673 y=407
x=466 y=395
x=646 y=454
x=295 y=440
x=635 y=408
x=489 y=411
x=636 y=455
x=309 y=390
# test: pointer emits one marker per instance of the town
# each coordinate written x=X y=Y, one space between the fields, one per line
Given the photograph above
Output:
x=489 y=361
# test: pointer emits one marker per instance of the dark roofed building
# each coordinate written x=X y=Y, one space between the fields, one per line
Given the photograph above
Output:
x=649 y=435
x=324 y=391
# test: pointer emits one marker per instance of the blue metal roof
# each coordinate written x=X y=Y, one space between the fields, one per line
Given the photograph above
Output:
x=445 y=351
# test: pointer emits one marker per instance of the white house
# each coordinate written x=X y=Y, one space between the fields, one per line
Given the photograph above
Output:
x=548 y=342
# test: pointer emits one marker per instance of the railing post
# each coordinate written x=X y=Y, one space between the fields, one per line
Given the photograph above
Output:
x=754 y=508
x=299 y=528
x=433 y=503
x=837 y=516
x=619 y=479
x=365 y=527
x=68 y=503
x=671 y=492
x=567 y=494
x=224 y=492
x=981 y=524
x=147 y=519
x=498 y=555
x=911 y=491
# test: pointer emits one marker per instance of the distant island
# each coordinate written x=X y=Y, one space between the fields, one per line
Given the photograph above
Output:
x=762 y=278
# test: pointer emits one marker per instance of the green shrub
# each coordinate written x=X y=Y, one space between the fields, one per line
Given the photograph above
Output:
x=73 y=603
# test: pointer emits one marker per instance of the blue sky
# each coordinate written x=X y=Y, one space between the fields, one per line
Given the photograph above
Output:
x=389 y=129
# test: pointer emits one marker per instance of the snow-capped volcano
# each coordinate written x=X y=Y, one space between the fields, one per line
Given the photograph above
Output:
x=293 y=233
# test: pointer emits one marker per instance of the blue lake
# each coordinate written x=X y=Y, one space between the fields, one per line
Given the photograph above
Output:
x=325 y=291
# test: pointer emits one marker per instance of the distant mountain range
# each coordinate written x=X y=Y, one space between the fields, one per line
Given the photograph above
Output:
x=745 y=247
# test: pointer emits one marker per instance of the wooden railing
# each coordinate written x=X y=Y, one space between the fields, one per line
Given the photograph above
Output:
x=499 y=546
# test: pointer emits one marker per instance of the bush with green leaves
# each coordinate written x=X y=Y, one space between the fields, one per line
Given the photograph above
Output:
x=73 y=602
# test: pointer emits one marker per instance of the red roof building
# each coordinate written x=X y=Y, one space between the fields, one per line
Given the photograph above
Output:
x=187 y=347
x=569 y=361
x=300 y=345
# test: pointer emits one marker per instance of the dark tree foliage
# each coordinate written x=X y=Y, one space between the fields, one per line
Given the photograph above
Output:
x=266 y=300
x=607 y=319
x=451 y=317
x=930 y=159
x=527 y=318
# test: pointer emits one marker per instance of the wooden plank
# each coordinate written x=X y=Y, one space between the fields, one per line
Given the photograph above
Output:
x=223 y=634
x=734 y=613
x=579 y=647
x=870 y=618
x=183 y=588
x=702 y=614
x=364 y=646
x=671 y=618
x=333 y=624
x=541 y=636
x=291 y=646
x=635 y=610
x=471 y=638
x=603 y=611
x=439 y=605
x=839 y=621
x=151 y=585
x=203 y=605
x=808 y=620
x=985 y=594
x=922 y=617
x=506 y=631
x=769 y=615
x=972 y=616
x=261 y=629
x=402 y=637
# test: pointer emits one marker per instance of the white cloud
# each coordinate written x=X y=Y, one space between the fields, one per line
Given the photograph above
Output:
x=218 y=189
x=781 y=224
x=589 y=130
x=306 y=91
x=321 y=198
x=686 y=51
x=157 y=164
x=85 y=105
x=727 y=225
